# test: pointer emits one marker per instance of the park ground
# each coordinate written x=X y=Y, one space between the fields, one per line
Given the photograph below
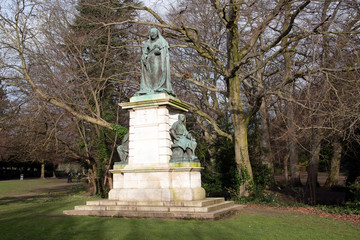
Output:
x=32 y=209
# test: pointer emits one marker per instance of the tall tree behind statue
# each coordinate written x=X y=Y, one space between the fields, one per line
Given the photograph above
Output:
x=100 y=58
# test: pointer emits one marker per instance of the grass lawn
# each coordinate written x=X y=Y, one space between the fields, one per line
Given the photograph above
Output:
x=31 y=186
x=40 y=217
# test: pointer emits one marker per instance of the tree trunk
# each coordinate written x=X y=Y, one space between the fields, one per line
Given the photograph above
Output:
x=53 y=171
x=99 y=175
x=288 y=68
x=265 y=144
x=110 y=181
x=107 y=176
x=312 y=180
x=211 y=150
x=333 y=177
x=293 y=154
x=54 y=174
x=240 y=124
x=266 y=153
x=286 y=172
x=242 y=160
x=92 y=181
x=212 y=159
x=241 y=150
x=42 y=176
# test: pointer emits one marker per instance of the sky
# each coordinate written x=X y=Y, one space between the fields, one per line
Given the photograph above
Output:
x=160 y=6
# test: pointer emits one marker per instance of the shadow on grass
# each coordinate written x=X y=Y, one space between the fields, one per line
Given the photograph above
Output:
x=42 y=219
x=47 y=194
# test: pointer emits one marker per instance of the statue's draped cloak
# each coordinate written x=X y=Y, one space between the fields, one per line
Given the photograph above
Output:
x=183 y=141
x=155 y=75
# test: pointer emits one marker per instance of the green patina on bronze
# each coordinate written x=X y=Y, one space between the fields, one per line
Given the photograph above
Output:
x=155 y=66
x=183 y=147
x=185 y=164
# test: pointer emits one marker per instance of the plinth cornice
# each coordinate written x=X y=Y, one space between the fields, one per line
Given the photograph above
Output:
x=170 y=169
x=151 y=100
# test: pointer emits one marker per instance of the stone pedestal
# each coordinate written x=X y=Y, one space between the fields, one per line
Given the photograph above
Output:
x=149 y=175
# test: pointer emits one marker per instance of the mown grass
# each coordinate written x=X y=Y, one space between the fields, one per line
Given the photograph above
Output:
x=40 y=217
x=30 y=186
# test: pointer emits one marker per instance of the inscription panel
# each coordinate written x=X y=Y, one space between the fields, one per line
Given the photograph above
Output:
x=145 y=116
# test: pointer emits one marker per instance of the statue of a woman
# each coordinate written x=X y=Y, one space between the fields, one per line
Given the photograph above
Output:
x=155 y=74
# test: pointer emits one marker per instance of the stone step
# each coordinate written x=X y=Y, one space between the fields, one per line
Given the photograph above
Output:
x=197 y=203
x=156 y=214
x=152 y=208
x=224 y=211
x=209 y=208
x=123 y=208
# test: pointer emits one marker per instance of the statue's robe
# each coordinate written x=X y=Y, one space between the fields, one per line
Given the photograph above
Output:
x=155 y=74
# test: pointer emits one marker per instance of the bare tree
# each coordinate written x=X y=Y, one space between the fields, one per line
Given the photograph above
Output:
x=80 y=72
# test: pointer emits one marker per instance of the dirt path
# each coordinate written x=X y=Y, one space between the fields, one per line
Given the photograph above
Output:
x=259 y=209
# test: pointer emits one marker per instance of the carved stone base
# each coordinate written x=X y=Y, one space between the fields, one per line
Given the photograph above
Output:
x=163 y=184
x=166 y=194
x=149 y=174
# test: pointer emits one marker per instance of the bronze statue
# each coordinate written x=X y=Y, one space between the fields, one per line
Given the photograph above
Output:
x=183 y=147
x=123 y=150
x=155 y=74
